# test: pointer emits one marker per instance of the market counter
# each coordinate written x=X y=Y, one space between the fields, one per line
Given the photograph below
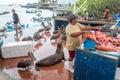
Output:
x=95 y=65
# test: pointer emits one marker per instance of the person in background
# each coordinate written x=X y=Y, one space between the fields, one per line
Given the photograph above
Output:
x=117 y=16
x=106 y=13
x=16 y=21
x=74 y=32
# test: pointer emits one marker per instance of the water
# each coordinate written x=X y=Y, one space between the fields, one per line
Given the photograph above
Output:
x=24 y=17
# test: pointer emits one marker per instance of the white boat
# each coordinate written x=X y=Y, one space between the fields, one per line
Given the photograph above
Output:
x=41 y=18
x=38 y=13
x=30 y=11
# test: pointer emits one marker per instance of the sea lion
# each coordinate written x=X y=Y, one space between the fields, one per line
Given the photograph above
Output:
x=53 y=59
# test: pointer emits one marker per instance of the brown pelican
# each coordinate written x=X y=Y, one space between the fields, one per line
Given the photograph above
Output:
x=26 y=63
x=47 y=28
x=27 y=38
x=55 y=36
x=3 y=30
x=37 y=36
x=62 y=29
x=24 y=39
x=64 y=38
x=30 y=38
x=41 y=30
x=55 y=32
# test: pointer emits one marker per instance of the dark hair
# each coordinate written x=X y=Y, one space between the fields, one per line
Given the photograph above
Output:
x=13 y=10
x=118 y=10
x=72 y=17
x=107 y=7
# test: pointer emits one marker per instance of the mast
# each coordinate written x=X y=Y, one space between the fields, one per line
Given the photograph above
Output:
x=74 y=9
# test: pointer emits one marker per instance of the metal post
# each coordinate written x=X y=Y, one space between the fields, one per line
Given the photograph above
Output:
x=74 y=7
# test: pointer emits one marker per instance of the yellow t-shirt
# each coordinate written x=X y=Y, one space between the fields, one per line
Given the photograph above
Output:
x=73 y=42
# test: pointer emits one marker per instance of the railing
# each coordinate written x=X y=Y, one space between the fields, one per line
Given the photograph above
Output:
x=81 y=6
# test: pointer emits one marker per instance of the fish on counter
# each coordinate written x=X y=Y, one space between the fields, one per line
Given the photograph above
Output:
x=104 y=42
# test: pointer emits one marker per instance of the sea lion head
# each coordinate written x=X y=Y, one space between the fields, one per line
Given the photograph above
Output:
x=59 y=49
x=59 y=45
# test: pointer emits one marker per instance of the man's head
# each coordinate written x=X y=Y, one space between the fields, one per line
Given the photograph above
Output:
x=73 y=18
x=13 y=10
x=107 y=7
x=119 y=11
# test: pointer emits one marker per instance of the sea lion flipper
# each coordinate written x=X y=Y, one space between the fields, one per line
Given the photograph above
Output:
x=63 y=58
x=36 y=68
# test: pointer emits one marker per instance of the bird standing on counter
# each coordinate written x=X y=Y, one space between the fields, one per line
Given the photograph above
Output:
x=41 y=30
x=55 y=36
x=26 y=63
x=47 y=28
x=37 y=36
x=27 y=38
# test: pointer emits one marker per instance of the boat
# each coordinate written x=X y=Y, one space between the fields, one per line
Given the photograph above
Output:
x=30 y=10
x=38 y=13
x=41 y=18
x=10 y=26
x=60 y=19
x=6 y=12
x=28 y=6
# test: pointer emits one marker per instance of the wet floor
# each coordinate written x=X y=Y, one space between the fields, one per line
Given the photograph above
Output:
x=42 y=49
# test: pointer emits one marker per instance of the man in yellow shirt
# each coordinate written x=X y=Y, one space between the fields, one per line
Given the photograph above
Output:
x=74 y=31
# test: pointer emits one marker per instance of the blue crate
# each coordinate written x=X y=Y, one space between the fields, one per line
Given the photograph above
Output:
x=89 y=66
x=89 y=44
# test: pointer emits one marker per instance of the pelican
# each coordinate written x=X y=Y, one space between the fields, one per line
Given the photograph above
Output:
x=47 y=28
x=26 y=63
x=56 y=31
x=37 y=36
x=64 y=38
x=3 y=30
x=55 y=36
x=27 y=38
x=41 y=30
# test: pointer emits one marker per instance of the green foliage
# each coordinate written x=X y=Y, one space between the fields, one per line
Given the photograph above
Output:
x=97 y=7
x=41 y=1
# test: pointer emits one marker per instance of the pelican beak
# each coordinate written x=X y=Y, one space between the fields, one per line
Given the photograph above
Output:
x=32 y=56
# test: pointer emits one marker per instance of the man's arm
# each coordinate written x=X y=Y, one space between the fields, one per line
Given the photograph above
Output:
x=91 y=28
x=76 y=34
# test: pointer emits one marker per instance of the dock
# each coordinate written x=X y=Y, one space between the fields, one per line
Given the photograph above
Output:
x=60 y=21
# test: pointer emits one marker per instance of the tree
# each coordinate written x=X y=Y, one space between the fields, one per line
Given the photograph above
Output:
x=97 y=7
